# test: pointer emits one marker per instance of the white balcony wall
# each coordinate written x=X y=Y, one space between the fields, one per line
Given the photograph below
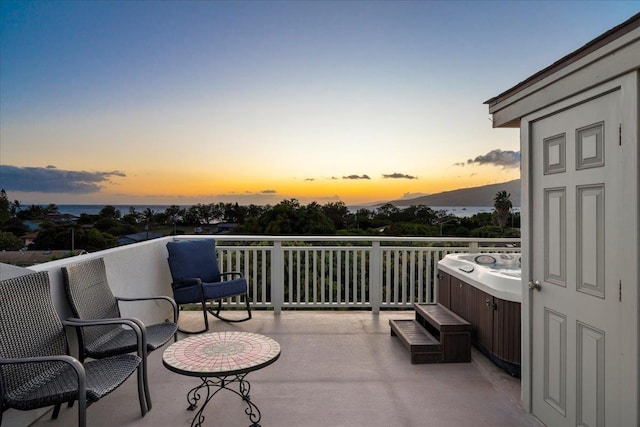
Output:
x=135 y=270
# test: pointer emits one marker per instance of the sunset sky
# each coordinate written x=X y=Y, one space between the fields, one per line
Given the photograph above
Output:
x=162 y=102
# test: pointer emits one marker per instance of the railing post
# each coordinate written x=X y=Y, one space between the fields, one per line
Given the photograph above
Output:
x=474 y=247
x=375 y=277
x=277 y=277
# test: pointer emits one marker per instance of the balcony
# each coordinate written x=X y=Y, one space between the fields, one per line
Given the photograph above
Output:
x=338 y=367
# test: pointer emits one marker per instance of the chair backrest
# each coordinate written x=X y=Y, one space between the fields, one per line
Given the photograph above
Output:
x=29 y=326
x=190 y=259
x=90 y=297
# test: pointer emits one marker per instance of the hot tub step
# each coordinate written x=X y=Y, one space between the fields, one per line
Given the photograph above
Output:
x=423 y=346
x=453 y=332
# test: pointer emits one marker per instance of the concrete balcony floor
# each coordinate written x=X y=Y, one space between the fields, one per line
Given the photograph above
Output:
x=336 y=369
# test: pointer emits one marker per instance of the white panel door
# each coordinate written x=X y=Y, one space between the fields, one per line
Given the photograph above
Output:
x=576 y=317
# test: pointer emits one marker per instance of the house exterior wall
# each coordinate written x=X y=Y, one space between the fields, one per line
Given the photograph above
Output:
x=614 y=66
x=625 y=228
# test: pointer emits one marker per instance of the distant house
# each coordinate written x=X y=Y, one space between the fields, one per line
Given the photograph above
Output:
x=29 y=238
x=219 y=228
x=138 y=237
x=225 y=227
x=62 y=218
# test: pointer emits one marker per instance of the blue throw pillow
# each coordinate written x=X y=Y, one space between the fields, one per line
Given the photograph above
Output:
x=194 y=258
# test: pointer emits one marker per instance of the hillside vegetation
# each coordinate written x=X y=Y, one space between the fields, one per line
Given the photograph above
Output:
x=473 y=196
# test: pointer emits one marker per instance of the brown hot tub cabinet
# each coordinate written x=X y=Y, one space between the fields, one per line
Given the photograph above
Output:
x=495 y=323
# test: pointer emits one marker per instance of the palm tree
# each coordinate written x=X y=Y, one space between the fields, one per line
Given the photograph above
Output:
x=5 y=211
x=16 y=207
x=149 y=215
x=134 y=214
x=174 y=212
x=502 y=205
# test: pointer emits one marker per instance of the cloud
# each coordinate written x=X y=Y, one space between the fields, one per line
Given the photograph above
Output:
x=309 y=179
x=459 y=164
x=245 y=193
x=497 y=157
x=399 y=175
x=53 y=180
x=356 y=177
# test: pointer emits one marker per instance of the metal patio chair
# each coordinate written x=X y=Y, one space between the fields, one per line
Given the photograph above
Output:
x=90 y=298
x=36 y=369
x=197 y=279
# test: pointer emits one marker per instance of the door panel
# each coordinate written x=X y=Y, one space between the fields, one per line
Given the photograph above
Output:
x=555 y=375
x=555 y=234
x=576 y=316
x=590 y=376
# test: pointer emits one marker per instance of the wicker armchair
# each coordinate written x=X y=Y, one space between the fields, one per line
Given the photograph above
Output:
x=91 y=298
x=197 y=279
x=35 y=368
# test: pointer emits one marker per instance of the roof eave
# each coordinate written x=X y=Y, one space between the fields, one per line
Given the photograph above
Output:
x=595 y=44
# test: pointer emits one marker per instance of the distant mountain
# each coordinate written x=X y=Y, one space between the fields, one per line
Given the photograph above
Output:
x=475 y=196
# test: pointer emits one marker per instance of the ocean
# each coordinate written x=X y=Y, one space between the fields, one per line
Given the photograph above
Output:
x=458 y=211
x=124 y=209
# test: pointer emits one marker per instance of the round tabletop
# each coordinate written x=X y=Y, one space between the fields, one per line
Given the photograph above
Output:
x=219 y=354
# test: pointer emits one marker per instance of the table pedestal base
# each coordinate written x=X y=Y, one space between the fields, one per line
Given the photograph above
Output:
x=220 y=383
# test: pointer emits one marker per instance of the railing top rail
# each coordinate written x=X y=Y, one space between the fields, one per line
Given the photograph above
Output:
x=341 y=238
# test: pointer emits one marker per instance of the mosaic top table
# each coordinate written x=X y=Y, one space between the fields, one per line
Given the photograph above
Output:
x=221 y=359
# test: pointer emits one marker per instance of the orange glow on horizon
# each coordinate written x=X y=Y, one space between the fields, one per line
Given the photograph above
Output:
x=193 y=187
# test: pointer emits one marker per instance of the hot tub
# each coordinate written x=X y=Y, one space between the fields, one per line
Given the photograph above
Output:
x=485 y=289
x=496 y=274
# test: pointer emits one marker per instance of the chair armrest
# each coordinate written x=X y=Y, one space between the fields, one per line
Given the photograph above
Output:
x=69 y=360
x=231 y=273
x=183 y=283
x=135 y=324
x=160 y=297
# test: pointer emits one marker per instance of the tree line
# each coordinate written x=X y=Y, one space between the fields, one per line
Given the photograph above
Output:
x=289 y=217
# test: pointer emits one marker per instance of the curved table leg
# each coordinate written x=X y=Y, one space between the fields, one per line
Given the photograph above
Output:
x=245 y=388
x=195 y=395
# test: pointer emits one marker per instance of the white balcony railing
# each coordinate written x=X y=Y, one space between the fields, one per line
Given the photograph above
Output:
x=292 y=272
x=340 y=272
